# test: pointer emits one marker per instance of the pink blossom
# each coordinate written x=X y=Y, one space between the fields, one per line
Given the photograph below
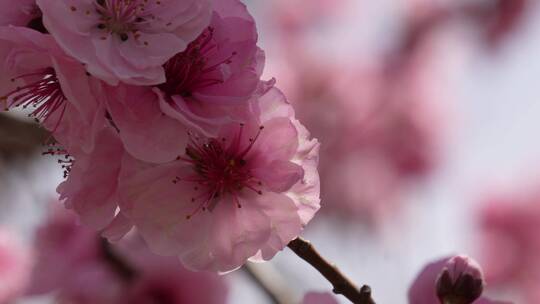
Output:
x=62 y=246
x=165 y=280
x=125 y=41
x=36 y=74
x=498 y=19
x=72 y=264
x=145 y=131
x=245 y=193
x=387 y=130
x=290 y=19
x=213 y=82
x=19 y=13
x=457 y=279
x=15 y=266
x=510 y=243
x=319 y=298
x=92 y=181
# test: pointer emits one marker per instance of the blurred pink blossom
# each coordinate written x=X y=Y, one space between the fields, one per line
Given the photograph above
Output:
x=165 y=280
x=381 y=134
x=294 y=16
x=72 y=264
x=15 y=266
x=245 y=193
x=319 y=298
x=125 y=41
x=511 y=223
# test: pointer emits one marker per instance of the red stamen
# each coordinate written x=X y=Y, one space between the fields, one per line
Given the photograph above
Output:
x=190 y=71
x=220 y=169
x=44 y=95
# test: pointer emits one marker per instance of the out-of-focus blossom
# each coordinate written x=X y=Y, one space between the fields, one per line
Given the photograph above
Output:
x=495 y=20
x=245 y=193
x=125 y=40
x=15 y=266
x=63 y=247
x=73 y=265
x=319 y=298
x=387 y=129
x=511 y=243
x=498 y=19
x=378 y=118
x=37 y=75
x=19 y=13
x=292 y=20
x=165 y=280
x=457 y=279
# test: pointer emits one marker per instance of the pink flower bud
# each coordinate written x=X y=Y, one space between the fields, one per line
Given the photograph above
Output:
x=461 y=281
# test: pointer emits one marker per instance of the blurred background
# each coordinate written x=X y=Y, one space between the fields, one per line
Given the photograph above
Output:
x=428 y=113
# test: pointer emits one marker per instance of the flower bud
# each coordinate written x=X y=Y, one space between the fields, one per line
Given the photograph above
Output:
x=460 y=282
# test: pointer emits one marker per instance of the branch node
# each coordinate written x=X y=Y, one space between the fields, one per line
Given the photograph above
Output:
x=340 y=283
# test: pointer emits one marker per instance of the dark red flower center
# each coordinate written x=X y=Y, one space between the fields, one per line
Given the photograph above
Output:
x=191 y=69
x=219 y=169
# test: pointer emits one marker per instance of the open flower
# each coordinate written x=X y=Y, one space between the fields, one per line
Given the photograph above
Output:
x=213 y=82
x=245 y=193
x=38 y=76
x=210 y=82
x=125 y=40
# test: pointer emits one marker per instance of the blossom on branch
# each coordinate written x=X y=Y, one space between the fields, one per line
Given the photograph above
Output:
x=243 y=194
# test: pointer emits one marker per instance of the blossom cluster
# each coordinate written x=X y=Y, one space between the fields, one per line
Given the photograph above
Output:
x=161 y=121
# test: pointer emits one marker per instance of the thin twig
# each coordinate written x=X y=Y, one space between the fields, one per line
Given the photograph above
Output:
x=125 y=270
x=270 y=282
x=342 y=285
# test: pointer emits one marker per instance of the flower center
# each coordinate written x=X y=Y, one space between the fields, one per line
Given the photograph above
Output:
x=42 y=92
x=220 y=169
x=122 y=17
x=193 y=68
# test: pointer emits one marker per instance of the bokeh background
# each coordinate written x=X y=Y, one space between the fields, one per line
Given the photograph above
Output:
x=428 y=112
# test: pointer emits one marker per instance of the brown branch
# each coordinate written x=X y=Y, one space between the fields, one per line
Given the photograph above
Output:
x=342 y=285
x=120 y=266
x=270 y=282
x=18 y=138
